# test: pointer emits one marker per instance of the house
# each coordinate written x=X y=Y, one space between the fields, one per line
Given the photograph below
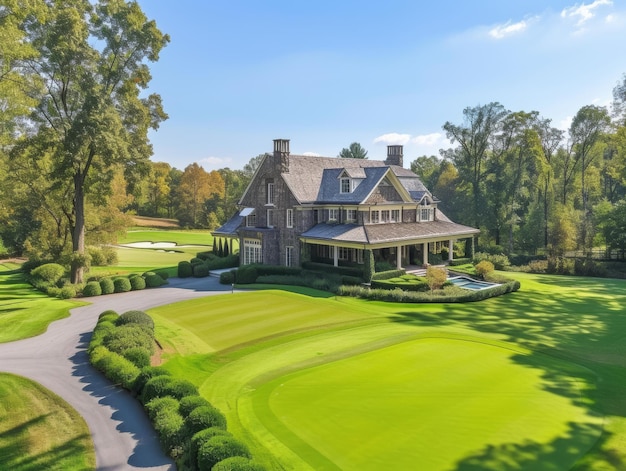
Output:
x=301 y=208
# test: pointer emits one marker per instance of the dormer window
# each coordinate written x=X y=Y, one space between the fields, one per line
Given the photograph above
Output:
x=346 y=185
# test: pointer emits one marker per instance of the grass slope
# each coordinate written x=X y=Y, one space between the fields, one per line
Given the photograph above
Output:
x=38 y=430
x=24 y=311
x=515 y=380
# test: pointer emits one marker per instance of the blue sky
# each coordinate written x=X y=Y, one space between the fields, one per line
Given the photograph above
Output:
x=238 y=74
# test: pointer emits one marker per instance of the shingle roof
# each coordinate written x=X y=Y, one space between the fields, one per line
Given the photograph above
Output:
x=230 y=227
x=329 y=191
x=308 y=180
x=383 y=233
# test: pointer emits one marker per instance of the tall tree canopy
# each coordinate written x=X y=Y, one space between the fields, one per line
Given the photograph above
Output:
x=85 y=71
x=354 y=151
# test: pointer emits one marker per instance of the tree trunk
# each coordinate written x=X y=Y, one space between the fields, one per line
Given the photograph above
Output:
x=78 y=233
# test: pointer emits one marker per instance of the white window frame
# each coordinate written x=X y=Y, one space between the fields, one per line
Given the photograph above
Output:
x=289 y=256
x=342 y=188
x=375 y=217
x=333 y=215
x=251 y=220
x=395 y=215
x=289 y=220
x=426 y=214
x=270 y=193
x=344 y=253
x=350 y=215
x=385 y=216
x=252 y=251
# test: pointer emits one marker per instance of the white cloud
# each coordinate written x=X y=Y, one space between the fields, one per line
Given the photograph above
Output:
x=428 y=139
x=565 y=123
x=583 y=12
x=508 y=28
x=216 y=162
x=393 y=138
x=312 y=154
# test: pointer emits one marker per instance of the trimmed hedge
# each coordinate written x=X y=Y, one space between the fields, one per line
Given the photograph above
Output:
x=155 y=387
x=115 y=367
x=107 y=286
x=455 y=295
x=185 y=269
x=418 y=286
x=200 y=270
x=199 y=439
x=189 y=403
x=237 y=463
x=219 y=448
x=385 y=275
x=49 y=273
x=121 y=285
x=154 y=281
x=140 y=357
x=161 y=405
x=92 y=288
x=67 y=292
x=137 y=283
x=341 y=270
x=227 y=277
x=135 y=317
x=129 y=336
x=146 y=375
x=203 y=417
x=168 y=425
x=246 y=274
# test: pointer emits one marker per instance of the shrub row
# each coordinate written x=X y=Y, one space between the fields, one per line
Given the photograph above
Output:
x=187 y=425
x=447 y=295
x=499 y=260
x=124 y=284
x=389 y=284
x=201 y=265
x=340 y=270
x=385 y=275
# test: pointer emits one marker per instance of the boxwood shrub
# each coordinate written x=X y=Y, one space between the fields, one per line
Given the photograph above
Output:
x=203 y=417
x=67 y=292
x=146 y=375
x=49 y=273
x=154 y=281
x=246 y=274
x=137 y=283
x=115 y=367
x=135 y=317
x=107 y=286
x=92 y=288
x=237 y=463
x=200 y=270
x=121 y=285
x=168 y=425
x=140 y=357
x=227 y=277
x=385 y=275
x=219 y=448
x=199 y=439
x=189 y=403
x=129 y=336
x=160 y=405
x=184 y=269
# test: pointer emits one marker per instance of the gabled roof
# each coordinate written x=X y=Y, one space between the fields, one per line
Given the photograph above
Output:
x=308 y=180
x=329 y=191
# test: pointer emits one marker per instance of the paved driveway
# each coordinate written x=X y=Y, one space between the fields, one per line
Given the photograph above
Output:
x=122 y=434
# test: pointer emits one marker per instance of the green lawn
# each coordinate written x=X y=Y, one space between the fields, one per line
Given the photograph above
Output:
x=24 y=311
x=39 y=430
x=531 y=380
x=190 y=237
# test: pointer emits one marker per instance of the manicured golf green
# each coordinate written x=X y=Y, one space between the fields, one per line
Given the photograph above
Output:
x=530 y=380
x=191 y=237
x=39 y=430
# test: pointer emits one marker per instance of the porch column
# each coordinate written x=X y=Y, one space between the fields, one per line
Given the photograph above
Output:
x=450 y=250
x=399 y=257
x=335 y=256
x=425 y=250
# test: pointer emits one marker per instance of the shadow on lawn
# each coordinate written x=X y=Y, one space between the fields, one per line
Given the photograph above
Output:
x=561 y=327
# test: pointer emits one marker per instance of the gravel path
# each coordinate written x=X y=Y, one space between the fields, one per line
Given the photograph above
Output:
x=122 y=434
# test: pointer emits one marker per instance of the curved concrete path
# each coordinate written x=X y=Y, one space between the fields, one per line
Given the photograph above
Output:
x=122 y=434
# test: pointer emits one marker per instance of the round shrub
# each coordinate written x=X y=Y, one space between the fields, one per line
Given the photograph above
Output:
x=200 y=438
x=203 y=417
x=179 y=388
x=108 y=313
x=200 y=270
x=155 y=387
x=196 y=261
x=49 y=273
x=67 y=292
x=117 y=368
x=237 y=463
x=154 y=281
x=96 y=355
x=102 y=329
x=189 y=403
x=484 y=268
x=168 y=425
x=137 y=283
x=92 y=288
x=140 y=357
x=184 y=269
x=163 y=274
x=219 y=448
x=135 y=317
x=121 y=285
x=161 y=405
x=129 y=336
x=146 y=375
x=227 y=277
x=53 y=291
x=107 y=286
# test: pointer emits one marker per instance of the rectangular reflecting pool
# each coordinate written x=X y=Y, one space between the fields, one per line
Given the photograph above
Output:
x=469 y=283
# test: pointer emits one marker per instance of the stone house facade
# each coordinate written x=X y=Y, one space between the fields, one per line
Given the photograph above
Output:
x=302 y=208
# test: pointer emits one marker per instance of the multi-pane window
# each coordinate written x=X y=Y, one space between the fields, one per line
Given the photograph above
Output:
x=288 y=256
x=290 y=218
x=384 y=215
x=344 y=253
x=345 y=185
x=350 y=215
x=252 y=251
x=270 y=193
x=333 y=214
x=395 y=215
x=251 y=220
x=270 y=218
x=426 y=214
x=374 y=217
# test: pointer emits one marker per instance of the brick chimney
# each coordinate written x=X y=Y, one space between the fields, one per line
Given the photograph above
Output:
x=394 y=156
x=281 y=155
